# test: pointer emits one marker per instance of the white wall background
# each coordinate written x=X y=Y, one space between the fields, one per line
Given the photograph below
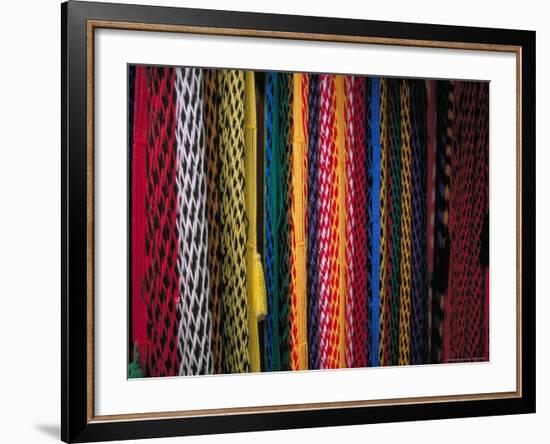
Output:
x=30 y=218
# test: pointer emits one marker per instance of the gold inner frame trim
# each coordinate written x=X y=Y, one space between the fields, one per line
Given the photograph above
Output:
x=92 y=25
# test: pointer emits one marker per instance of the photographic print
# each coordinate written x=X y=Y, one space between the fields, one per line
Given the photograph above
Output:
x=305 y=221
x=279 y=221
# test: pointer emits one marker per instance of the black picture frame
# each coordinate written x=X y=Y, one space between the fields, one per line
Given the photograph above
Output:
x=77 y=425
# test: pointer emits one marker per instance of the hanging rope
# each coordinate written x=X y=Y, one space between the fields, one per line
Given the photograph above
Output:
x=395 y=215
x=349 y=82
x=340 y=265
x=357 y=239
x=214 y=258
x=255 y=283
x=272 y=324
x=298 y=194
x=194 y=289
x=328 y=280
x=419 y=282
x=278 y=211
x=313 y=222
x=465 y=312
x=405 y=272
x=286 y=91
x=374 y=215
x=384 y=358
x=233 y=235
x=161 y=282
x=139 y=130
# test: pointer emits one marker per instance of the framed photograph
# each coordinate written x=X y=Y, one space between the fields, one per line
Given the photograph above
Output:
x=274 y=221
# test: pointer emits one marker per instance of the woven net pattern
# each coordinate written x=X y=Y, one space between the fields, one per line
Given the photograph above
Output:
x=194 y=288
x=465 y=331
x=357 y=248
x=405 y=278
x=214 y=258
x=313 y=223
x=328 y=227
x=419 y=283
x=284 y=225
x=384 y=350
x=161 y=280
x=394 y=219
x=234 y=233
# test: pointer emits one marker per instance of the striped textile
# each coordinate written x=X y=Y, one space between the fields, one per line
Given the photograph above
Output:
x=288 y=221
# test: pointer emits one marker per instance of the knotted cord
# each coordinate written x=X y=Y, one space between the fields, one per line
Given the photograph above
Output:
x=405 y=271
x=385 y=233
x=419 y=199
x=374 y=216
x=161 y=282
x=298 y=194
x=328 y=288
x=468 y=202
x=394 y=219
x=194 y=288
x=286 y=92
x=214 y=258
x=357 y=237
x=271 y=246
x=233 y=235
x=255 y=283
x=313 y=222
